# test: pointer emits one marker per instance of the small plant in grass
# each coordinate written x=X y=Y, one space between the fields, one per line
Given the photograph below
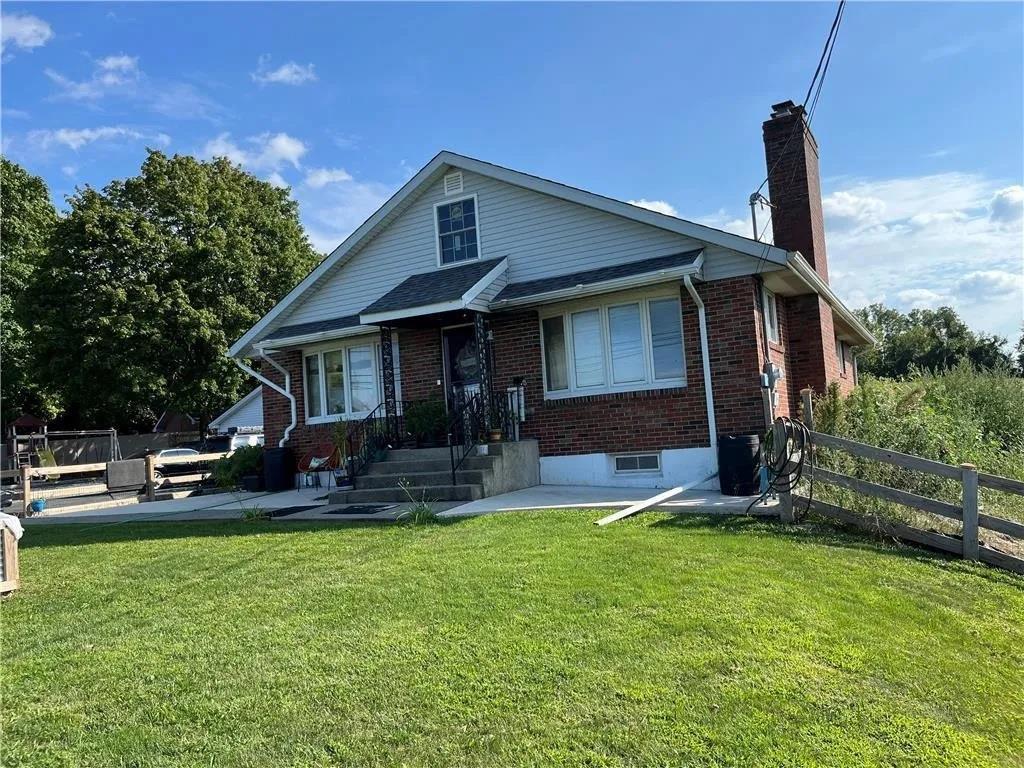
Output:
x=419 y=512
x=254 y=512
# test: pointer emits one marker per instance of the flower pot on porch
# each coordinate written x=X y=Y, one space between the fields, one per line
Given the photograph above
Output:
x=495 y=436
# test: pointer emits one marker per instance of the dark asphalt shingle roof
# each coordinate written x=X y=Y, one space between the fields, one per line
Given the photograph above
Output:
x=317 y=326
x=591 y=276
x=432 y=287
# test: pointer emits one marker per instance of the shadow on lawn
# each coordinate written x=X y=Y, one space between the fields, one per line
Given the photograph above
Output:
x=78 y=534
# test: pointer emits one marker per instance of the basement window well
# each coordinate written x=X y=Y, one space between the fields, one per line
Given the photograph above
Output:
x=637 y=462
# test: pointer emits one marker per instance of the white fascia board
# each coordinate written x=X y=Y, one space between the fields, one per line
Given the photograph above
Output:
x=311 y=338
x=499 y=269
x=378 y=318
x=807 y=274
x=236 y=407
x=738 y=243
x=594 y=289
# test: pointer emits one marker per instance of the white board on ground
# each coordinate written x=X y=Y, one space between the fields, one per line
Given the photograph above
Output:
x=640 y=506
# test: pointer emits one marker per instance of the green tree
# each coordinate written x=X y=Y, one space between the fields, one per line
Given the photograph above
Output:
x=1018 y=353
x=27 y=219
x=932 y=339
x=153 y=277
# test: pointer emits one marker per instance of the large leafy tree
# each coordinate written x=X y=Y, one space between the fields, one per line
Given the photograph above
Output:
x=153 y=277
x=933 y=339
x=27 y=220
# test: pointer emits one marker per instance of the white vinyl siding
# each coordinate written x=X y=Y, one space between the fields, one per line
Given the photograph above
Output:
x=617 y=346
x=543 y=237
x=342 y=381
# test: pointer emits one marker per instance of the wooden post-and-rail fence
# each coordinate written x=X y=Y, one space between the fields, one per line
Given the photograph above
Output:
x=28 y=474
x=968 y=545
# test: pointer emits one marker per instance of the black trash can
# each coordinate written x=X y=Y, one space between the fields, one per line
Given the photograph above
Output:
x=739 y=464
x=278 y=469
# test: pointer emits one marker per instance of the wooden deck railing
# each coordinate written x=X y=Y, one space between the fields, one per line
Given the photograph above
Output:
x=967 y=545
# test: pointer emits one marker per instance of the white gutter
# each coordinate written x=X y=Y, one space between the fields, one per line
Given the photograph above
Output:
x=806 y=273
x=311 y=338
x=705 y=360
x=286 y=391
x=606 y=286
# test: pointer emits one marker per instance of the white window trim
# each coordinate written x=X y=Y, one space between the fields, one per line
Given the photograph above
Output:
x=348 y=415
x=617 y=456
x=437 y=231
x=566 y=311
x=841 y=354
x=771 y=333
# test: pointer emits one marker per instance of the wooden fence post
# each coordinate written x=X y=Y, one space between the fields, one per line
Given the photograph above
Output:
x=150 y=477
x=808 y=419
x=26 y=489
x=970 y=507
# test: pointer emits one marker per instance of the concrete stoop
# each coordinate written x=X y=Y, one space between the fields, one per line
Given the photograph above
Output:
x=491 y=469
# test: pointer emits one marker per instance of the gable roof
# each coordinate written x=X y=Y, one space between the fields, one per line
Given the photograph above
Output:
x=396 y=203
x=230 y=412
x=439 y=290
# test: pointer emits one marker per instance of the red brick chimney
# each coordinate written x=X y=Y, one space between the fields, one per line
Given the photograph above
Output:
x=794 y=187
x=791 y=154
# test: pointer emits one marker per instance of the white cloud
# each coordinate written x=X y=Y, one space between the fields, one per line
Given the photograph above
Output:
x=277 y=180
x=289 y=73
x=69 y=170
x=317 y=178
x=658 y=206
x=76 y=138
x=23 y=31
x=740 y=226
x=921 y=298
x=15 y=114
x=1007 y=205
x=986 y=284
x=954 y=238
x=110 y=74
x=265 y=152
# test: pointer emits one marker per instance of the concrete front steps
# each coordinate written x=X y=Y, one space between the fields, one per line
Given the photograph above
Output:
x=489 y=470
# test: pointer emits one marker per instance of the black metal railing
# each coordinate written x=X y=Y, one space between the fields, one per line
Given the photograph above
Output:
x=366 y=440
x=475 y=419
x=466 y=428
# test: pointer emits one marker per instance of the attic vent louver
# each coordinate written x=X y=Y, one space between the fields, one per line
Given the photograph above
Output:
x=453 y=183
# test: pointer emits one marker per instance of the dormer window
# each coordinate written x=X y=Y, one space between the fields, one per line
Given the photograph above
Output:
x=457 y=238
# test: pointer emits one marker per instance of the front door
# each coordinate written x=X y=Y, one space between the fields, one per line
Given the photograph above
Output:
x=461 y=365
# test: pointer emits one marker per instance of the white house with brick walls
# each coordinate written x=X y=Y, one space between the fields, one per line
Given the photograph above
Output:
x=616 y=342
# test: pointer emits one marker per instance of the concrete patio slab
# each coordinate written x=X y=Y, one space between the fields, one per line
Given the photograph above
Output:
x=591 y=497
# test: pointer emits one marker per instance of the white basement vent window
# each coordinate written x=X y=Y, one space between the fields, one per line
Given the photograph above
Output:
x=453 y=183
x=638 y=462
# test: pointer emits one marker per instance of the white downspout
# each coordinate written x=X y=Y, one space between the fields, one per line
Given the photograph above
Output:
x=705 y=359
x=286 y=391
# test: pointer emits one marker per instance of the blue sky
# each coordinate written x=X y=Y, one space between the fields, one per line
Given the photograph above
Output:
x=920 y=121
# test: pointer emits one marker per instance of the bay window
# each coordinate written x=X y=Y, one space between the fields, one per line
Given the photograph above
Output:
x=344 y=382
x=619 y=346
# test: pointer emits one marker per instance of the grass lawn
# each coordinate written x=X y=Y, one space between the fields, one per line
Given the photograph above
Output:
x=529 y=639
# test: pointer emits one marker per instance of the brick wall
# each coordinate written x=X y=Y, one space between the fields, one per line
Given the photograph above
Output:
x=652 y=420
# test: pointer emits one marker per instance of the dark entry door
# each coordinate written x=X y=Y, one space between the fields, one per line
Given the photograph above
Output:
x=461 y=364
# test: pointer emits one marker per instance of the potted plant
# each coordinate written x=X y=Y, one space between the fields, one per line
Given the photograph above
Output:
x=494 y=436
x=425 y=422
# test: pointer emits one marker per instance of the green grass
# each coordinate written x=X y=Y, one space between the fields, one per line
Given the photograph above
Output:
x=530 y=639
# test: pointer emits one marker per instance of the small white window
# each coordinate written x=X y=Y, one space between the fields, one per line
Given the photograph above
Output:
x=771 y=315
x=453 y=183
x=554 y=353
x=638 y=462
x=346 y=382
x=841 y=354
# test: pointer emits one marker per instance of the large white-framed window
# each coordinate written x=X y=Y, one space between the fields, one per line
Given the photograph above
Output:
x=771 y=314
x=621 y=344
x=342 y=380
x=457 y=229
